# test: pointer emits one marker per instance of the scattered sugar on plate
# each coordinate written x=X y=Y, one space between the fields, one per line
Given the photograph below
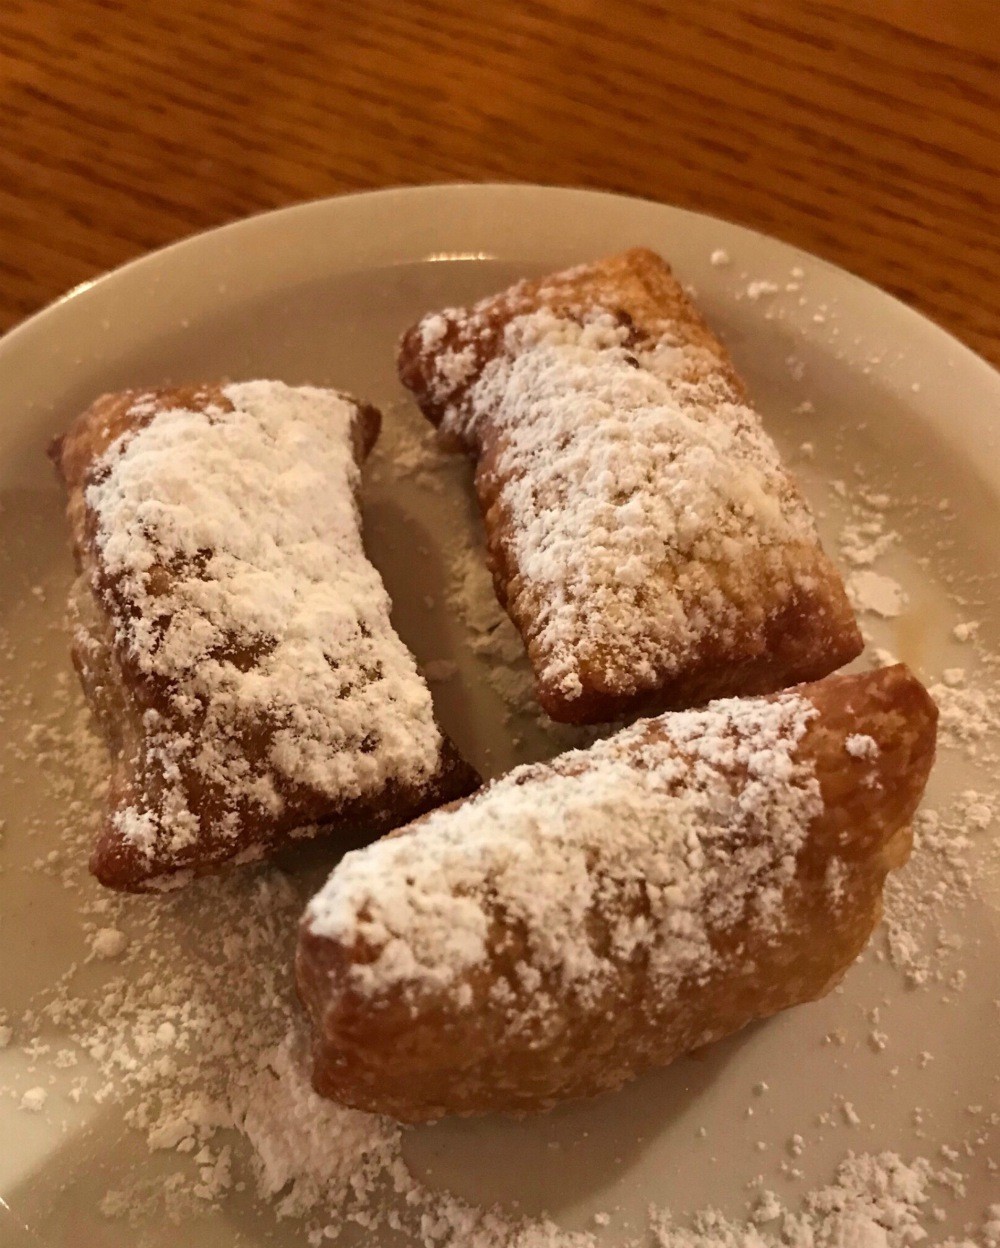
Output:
x=876 y=593
x=108 y=943
x=850 y=1114
x=875 y=1201
x=34 y=1100
x=758 y=289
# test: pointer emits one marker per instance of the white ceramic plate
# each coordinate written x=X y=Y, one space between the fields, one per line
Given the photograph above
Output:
x=888 y=404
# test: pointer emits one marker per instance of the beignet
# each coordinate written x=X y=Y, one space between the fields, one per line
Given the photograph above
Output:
x=642 y=531
x=578 y=922
x=232 y=637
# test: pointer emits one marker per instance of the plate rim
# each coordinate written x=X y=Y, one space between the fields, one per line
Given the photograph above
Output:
x=387 y=198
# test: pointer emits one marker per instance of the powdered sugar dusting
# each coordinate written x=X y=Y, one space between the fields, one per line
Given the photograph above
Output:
x=876 y=1201
x=271 y=613
x=651 y=805
x=607 y=437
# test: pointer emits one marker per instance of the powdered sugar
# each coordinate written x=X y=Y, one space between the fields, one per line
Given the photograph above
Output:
x=108 y=943
x=865 y=539
x=876 y=1201
x=759 y=288
x=271 y=613
x=34 y=1100
x=491 y=636
x=859 y=745
x=541 y=847
x=970 y=713
x=310 y=1152
x=875 y=592
x=610 y=439
x=952 y=847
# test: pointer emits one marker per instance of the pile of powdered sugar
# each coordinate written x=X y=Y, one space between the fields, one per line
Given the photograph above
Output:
x=492 y=638
x=408 y=454
x=876 y=1201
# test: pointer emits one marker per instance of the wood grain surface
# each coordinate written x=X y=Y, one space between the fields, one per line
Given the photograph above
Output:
x=866 y=132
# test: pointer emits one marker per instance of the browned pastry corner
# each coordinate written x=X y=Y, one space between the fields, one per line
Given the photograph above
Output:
x=232 y=638
x=581 y=921
x=642 y=532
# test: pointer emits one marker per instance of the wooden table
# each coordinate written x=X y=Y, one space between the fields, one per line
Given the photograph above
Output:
x=866 y=132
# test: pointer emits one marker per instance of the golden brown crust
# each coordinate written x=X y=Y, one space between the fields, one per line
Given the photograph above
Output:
x=787 y=619
x=414 y=1051
x=124 y=694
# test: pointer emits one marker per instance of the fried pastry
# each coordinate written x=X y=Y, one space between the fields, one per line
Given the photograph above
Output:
x=578 y=922
x=231 y=635
x=641 y=530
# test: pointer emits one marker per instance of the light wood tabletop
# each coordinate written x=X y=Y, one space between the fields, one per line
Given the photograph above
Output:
x=867 y=132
